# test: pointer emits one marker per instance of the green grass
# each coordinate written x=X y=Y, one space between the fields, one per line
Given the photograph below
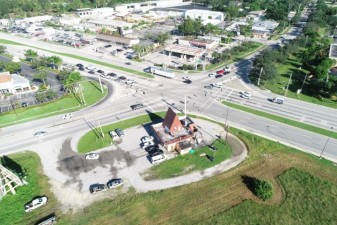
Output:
x=12 y=206
x=68 y=103
x=280 y=119
x=309 y=200
x=292 y=65
x=4 y=41
x=191 y=162
x=92 y=140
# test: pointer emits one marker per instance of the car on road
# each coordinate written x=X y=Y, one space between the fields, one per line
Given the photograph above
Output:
x=113 y=134
x=97 y=188
x=112 y=75
x=100 y=71
x=130 y=81
x=211 y=75
x=186 y=78
x=91 y=72
x=122 y=78
x=36 y=203
x=79 y=65
x=119 y=132
x=245 y=94
x=218 y=76
x=187 y=81
x=92 y=156
x=40 y=133
x=115 y=183
x=217 y=85
x=146 y=139
x=81 y=68
x=137 y=106
x=108 y=46
x=67 y=116
x=128 y=63
x=208 y=87
x=278 y=100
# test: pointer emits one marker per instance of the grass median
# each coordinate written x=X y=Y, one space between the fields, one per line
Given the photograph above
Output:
x=68 y=103
x=280 y=119
x=93 y=139
x=185 y=164
x=127 y=70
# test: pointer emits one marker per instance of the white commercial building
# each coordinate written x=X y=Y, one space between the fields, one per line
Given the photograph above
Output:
x=13 y=83
x=108 y=24
x=34 y=19
x=94 y=13
x=67 y=20
x=145 y=6
x=204 y=15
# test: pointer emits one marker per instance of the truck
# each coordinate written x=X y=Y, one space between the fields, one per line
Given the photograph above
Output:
x=161 y=72
x=36 y=203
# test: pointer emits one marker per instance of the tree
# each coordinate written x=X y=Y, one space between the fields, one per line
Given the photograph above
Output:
x=42 y=76
x=13 y=67
x=161 y=38
x=2 y=49
x=71 y=81
x=187 y=27
x=55 y=61
x=139 y=49
x=263 y=189
x=30 y=55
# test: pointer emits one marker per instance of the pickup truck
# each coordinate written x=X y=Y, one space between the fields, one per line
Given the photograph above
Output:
x=36 y=203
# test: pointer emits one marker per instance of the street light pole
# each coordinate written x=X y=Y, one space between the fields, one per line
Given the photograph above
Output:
x=304 y=81
x=258 y=81
x=291 y=74
x=326 y=143
x=100 y=83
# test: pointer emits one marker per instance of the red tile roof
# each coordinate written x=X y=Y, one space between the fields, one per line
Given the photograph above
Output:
x=5 y=77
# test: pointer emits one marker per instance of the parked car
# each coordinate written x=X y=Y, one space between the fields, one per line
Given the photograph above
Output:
x=152 y=148
x=67 y=116
x=81 y=68
x=157 y=158
x=155 y=152
x=108 y=46
x=137 y=106
x=220 y=72
x=217 y=85
x=113 y=134
x=92 y=156
x=208 y=87
x=97 y=188
x=218 y=76
x=91 y=72
x=100 y=71
x=146 y=139
x=128 y=63
x=115 y=183
x=36 y=203
x=147 y=144
x=40 y=134
x=211 y=75
x=112 y=74
x=119 y=132
x=187 y=81
x=122 y=78
x=79 y=65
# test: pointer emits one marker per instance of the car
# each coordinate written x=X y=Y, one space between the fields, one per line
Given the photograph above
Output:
x=155 y=152
x=217 y=85
x=36 y=203
x=100 y=71
x=97 y=188
x=208 y=87
x=218 y=76
x=187 y=81
x=220 y=72
x=119 y=132
x=122 y=78
x=245 y=94
x=113 y=134
x=152 y=148
x=186 y=78
x=112 y=75
x=130 y=81
x=24 y=104
x=147 y=144
x=147 y=139
x=137 y=106
x=278 y=100
x=81 y=68
x=226 y=72
x=108 y=46
x=115 y=183
x=92 y=156
x=119 y=50
x=211 y=75
x=79 y=65
x=157 y=158
x=91 y=72
x=67 y=116
x=128 y=63
x=40 y=134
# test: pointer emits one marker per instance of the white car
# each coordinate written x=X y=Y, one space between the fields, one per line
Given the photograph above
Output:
x=115 y=183
x=147 y=144
x=211 y=75
x=92 y=156
x=113 y=134
x=147 y=139
x=245 y=94
x=40 y=133
x=67 y=116
x=36 y=203
x=186 y=78
x=217 y=85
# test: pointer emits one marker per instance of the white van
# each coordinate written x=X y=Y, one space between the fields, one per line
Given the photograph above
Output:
x=90 y=67
x=218 y=85
x=158 y=158
x=278 y=100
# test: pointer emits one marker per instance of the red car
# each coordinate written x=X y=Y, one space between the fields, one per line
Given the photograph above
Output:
x=220 y=72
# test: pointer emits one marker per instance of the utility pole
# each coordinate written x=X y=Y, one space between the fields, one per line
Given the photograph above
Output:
x=291 y=74
x=258 y=81
x=326 y=143
x=82 y=94
x=304 y=81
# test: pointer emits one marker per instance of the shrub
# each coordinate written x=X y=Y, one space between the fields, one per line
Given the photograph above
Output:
x=263 y=189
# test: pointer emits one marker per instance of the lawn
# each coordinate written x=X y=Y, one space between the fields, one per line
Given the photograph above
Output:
x=12 y=206
x=191 y=162
x=93 y=140
x=280 y=119
x=292 y=65
x=68 y=103
x=207 y=200
x=309 y=200
x=4 y=41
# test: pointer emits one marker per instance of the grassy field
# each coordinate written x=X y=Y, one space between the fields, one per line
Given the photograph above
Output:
x=12 y=206
x=280 y=119
x=207 y=200
x=5 y=41
x=68 y=103
x=191 y=162
x=92 y=140
x=292 y=65
x=309 y=200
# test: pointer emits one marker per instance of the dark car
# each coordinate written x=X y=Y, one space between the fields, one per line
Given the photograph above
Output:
x=137 y=106
x=97 y=188
x=119 y=50
x=122 y=78
x=112 y=74
x=128 y=63
x=119 y=132
x=187 y=81
x=152 y=148
x=208 y=87
x=91 y=72
x=79 y=65
x=115 y=183
x=81 y=68
x=100 y=71
x=218 y=76
x=108 y=46
x=155 y=153
x=227 y=72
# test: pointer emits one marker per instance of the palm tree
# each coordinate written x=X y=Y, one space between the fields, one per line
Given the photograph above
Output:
x=55 y=60
x=31 y=55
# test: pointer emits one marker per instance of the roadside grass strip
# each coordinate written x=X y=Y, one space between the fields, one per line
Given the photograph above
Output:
x=67 y=103
x=184 y=164
x=127 y=70
x=280 y=119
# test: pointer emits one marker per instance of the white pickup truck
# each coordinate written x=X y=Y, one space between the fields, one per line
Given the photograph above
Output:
x=36 y=203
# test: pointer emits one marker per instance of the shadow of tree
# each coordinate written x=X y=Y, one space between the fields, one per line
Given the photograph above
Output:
x=249 y=182
x=13 y=166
